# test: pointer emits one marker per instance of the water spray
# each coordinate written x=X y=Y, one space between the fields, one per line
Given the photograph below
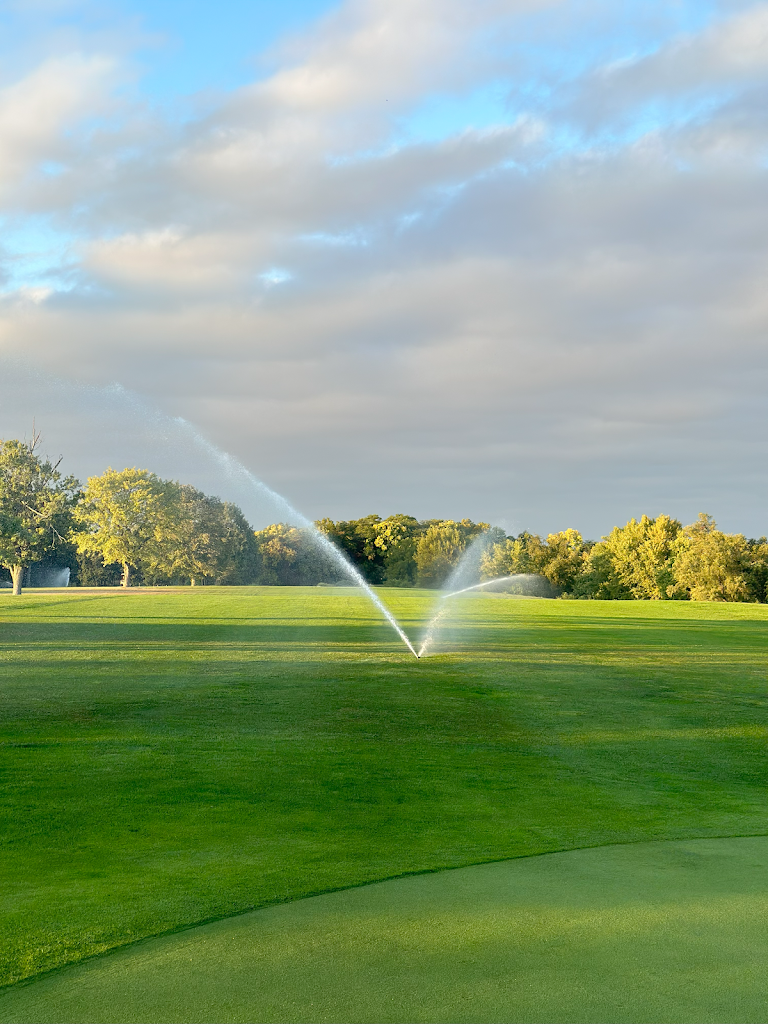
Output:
x=233 y=467
x=485 y=583
x=429 y=639
x=170 y=437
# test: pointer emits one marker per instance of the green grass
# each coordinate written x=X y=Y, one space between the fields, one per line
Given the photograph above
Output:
x=671 y=932
x=174 y=757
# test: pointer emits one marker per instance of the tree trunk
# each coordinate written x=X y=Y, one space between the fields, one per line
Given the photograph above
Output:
x=125 y=580
x=17 y=575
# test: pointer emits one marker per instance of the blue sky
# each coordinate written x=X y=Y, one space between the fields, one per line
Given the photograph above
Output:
x=181 y=48
x=201 y=45
x=314 y=227
x=198 y=46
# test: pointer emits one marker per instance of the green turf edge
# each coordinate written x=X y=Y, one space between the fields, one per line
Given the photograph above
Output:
x=32 y=979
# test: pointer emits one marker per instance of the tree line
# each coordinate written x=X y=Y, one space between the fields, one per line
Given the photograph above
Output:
x=126 y=526
x=132 y=527
x=647 y=559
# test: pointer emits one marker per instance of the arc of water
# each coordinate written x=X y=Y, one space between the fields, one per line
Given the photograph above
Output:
x=434 y=625
x=485 y=583
x=432 y=628
x=473 y=551
x=232 y=466
x=161 y=424
x=465 y=564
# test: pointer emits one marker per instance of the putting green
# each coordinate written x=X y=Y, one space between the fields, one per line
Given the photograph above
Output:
x=662 y=931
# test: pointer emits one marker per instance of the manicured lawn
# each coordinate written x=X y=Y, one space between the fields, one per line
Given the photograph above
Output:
x=648 y=932
x=174 y=757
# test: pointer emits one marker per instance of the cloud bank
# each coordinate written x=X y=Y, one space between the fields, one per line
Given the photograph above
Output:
x=550 y=313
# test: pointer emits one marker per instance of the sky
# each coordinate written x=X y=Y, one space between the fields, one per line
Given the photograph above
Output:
x=504 y=259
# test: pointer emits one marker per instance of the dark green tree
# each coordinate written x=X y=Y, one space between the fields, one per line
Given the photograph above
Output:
x=397 y=537
x=357 y=539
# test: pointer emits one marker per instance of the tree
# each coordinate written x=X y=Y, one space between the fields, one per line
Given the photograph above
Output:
x=92 y=572
x=437 y=552
x=756 y=571
x=201 y=539
x=513 y=556
x=287 y=556
x=633 y=561
x=236 y=559
x=643 y=555
x=386 y=550
x=713 y=566
x=278 y=546
x=124 y=517
x=397 y=538
x=559 y=559
x=357 y=538
x=36 y=505
x=565 y=552
x=599 y=579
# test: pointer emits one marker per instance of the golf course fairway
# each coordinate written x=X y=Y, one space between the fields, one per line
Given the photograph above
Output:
x=213 y=785
x=652 y=932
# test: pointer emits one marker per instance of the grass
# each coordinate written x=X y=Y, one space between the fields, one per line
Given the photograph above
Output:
x=649 y=932
x=175 y=757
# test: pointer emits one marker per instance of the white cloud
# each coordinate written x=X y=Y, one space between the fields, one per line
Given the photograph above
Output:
x=36 y=111
x=499 y=324
x=169 y=263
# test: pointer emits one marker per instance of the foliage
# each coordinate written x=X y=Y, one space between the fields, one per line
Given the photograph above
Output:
x=397 y=538
x=36 y=505
x=711 y=565
x=641 y=556
x=358 y=540
x=565 y=559
x=124 y=516
x=560 y=559
x=647 y=559
x=288 y=556
x=599 y=579
x=133 y=524
x=92 y=572
x=441 y=546
x=514 y=555
x=437 y=552
x=400 y=550
x=160 y=532
x=756 y=570
x=202 y=540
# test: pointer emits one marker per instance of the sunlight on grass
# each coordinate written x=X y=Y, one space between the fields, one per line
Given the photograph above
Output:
x=176 y=756
x=655 y=931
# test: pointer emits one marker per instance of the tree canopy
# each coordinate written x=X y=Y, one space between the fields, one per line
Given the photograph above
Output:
x=132 y=526
x=647 y=559
x=168 y=532
x=124 y=516
x=401 y=550
x=35 y=506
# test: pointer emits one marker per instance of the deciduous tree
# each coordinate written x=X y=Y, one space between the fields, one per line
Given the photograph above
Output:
x=397 y=538
x=633 y=561
x=124 y=516
x=711 y=565
x=36 y=505
x=201 y=539
x=437 y=552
